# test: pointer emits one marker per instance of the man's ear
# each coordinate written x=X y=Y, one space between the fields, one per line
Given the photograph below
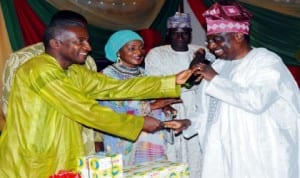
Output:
x=54 y=43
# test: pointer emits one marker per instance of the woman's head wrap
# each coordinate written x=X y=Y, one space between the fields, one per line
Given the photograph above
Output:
x=179 y=20
x=117 y=40
x=227 y=17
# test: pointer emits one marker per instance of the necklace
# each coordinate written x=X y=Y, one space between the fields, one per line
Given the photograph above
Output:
x=131 y=71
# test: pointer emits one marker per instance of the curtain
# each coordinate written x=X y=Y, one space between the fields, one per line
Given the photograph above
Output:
x=198 y=7
x=12 y=24
x=32 y=30
x=160 y=22
x=114 y=14
x=25 y=23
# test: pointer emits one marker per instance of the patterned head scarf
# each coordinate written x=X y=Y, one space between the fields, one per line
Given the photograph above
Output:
x=117 y=40
x=227 y=17
x=179 y=20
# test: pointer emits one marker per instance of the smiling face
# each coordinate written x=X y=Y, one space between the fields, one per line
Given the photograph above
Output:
x=229 y=45
x=72 y=46
x=222 y=45
x=132 y=53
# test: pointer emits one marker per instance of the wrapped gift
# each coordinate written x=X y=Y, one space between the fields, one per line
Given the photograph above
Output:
x=101 y=165
x=157 y=169
x=83 y=166
x=116 y=162
x=95 y=166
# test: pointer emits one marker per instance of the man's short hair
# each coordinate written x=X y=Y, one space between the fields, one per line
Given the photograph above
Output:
x=60 y=21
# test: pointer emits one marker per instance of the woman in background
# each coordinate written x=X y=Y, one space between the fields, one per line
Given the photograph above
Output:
x=126 y=49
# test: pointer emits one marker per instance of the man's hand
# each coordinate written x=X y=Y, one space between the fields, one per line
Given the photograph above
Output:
x=170 y=112
x=152 y=125
x=162 y=103
x=183 y=76
x=204 y=71
x=177 y=125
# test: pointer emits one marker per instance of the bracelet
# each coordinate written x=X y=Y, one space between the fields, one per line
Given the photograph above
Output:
x=162 y=124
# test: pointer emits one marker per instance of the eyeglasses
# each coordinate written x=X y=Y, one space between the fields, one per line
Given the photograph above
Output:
x=218 y=38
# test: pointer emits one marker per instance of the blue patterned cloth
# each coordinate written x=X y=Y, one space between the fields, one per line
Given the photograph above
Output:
x=147 y=147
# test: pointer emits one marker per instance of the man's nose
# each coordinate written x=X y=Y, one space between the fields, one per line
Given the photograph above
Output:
x=87 y=46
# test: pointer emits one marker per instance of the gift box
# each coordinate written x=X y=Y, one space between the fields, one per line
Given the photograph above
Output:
x=116 y=163
x=157 y=169
x=95 y=166
x=83 y=166
x=100 y=166
x=106 y=165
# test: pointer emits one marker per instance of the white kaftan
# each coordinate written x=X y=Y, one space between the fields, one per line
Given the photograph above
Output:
x=253 y=131
x=163 y=60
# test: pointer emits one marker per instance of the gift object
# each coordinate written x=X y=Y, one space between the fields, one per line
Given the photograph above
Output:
x=116 y=163
x=157 y=169
x=95 y=166
x=101 y=165
x=83 y=166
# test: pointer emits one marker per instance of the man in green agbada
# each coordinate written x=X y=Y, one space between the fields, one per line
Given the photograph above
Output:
x=53 y=95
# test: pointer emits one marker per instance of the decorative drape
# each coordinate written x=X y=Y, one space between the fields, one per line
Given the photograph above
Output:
x=287 y=7
x=114 y=15
x=12 y=24
x=25 y=22
x=198 y=7
x=32 y=30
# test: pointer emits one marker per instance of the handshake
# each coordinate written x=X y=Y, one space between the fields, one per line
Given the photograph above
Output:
x=191 y=76
x=187 y=78
x=152 y=125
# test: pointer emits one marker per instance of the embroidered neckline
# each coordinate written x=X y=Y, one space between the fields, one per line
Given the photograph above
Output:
x=135 y=71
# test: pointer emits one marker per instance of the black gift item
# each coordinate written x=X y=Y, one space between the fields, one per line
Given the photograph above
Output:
x=198 y=58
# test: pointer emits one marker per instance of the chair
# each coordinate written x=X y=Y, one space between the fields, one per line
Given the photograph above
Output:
x=19 y=57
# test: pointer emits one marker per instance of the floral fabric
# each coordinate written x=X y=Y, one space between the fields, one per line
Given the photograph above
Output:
x=147 y=147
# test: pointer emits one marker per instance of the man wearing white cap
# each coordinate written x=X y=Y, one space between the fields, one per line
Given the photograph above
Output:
x=248 y=104
x=169 y=59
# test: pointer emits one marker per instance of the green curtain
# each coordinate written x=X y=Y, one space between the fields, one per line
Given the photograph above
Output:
x=278 y=32
x=169 y=9
x=98 y=36
x=43 y=9
x=14 y=30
